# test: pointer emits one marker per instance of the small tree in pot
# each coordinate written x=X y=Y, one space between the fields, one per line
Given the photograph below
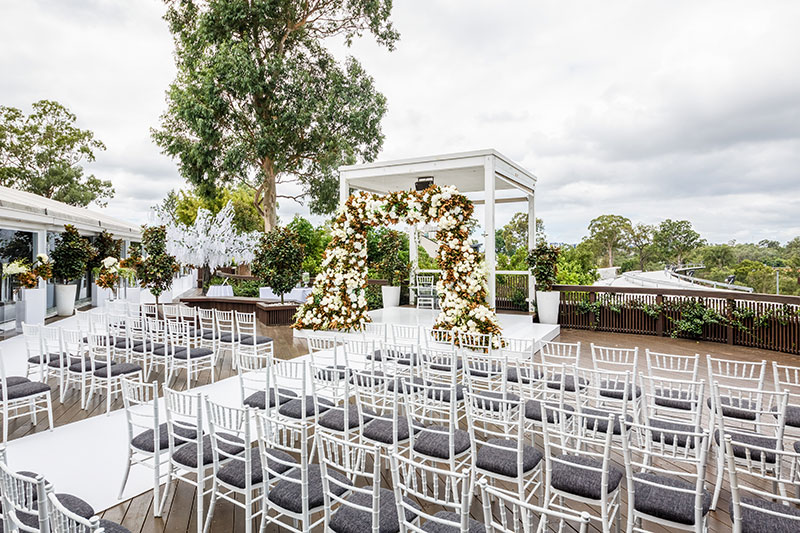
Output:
x=543 y=261
x=70 y=259
x=390 y=263
x=158 y=268
x=279 y=260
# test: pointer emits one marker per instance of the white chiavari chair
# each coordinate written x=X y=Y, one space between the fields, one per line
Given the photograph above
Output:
x=21 y=397
x=665 y=476
x=181 y=354
x=501 y=452
x=107 y=374
x=249 y=339
x=295 y=502
x=750 y=417
x=79 y=369
x=764 y=489
x=787 y=378
x=375 y=331
x=34 y=350
x=516 y=516
x=254 y=383
x=558 y=353
x=578 y=463
x=445 y=495
x=405 y=334
x=207 y=325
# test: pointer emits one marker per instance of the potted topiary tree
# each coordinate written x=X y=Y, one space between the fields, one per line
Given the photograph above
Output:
x=391 y=265
x=543 y=261
x=70 y=258
x=278 y=263
x=158 y=268
x=106 y=246
x=134 y=263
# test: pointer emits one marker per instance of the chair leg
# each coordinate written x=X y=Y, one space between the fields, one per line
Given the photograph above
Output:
x=211 y=505
x=167 y=488
x=108 y=394
x=49 y=413
x=720 y=474
x=125 y=476
x=34 y=415
x=156 y=483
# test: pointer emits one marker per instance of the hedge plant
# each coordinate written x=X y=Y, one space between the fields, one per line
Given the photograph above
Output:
x=279 y=260
x=543 y=262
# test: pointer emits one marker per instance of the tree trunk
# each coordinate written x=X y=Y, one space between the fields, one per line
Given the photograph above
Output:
x=266 y=195
x=610 y=256
x=641 y=261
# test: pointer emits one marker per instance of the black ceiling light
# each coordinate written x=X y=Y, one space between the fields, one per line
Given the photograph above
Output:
x=423 y=182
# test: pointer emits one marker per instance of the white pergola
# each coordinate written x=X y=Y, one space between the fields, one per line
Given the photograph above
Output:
x=481 y=171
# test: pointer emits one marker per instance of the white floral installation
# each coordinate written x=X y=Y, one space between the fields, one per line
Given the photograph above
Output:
x=338 y=299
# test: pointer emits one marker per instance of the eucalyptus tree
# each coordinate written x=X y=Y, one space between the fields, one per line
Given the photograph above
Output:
x=608 y=232
x=258 y=98
x=43 y=153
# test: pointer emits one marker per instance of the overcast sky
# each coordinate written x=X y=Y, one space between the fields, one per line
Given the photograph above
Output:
x=679 y=109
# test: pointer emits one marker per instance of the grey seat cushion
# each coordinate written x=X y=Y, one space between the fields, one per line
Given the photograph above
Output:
x=193 y=353
x=287 y=493
x=233 y=473
x=511 y=375
x=432 y=442
x=145 y=440
x=14 y=380
x=36 y=359
x=24 y=390
x=259 y=339
x=210 y=335
x=503 y=460
x=600 y=423
x=112 y=527
x=616 y=390
x=554 y=382
x=675 y=399
x=533 y=410
x=736 y=408
x=382 y=430
x=405 y=358
x=259 y=398
x=334 y=418
x=661 y=502
x=576 y=480
x=233 y=337
x=141 y=347
x=348 y=519
x=495 y=400
x=117 y=369
x=72 y=503
x=186 y=455
x=483 y=370
x=78 y=367
x=435 y=527
x=122 y=342
x=66 y=361
x=669 y=435
x=294 y=408
x=741 y=437
x=443 y=395
x=757 y=522
x=448 y=368
x=792 y=415
x=167 y=349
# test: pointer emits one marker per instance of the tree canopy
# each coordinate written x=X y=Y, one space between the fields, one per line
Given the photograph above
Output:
x=182 y=206
x=609 y=232
x=42 y=153
x=258 y=99
x=676 y=238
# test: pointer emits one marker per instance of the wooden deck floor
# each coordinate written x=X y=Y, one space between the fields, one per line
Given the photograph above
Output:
x=179 y=517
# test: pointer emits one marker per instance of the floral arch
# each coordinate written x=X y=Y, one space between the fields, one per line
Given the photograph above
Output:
x=338 y=300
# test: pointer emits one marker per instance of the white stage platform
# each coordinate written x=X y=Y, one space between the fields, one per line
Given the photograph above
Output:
x=515 y=326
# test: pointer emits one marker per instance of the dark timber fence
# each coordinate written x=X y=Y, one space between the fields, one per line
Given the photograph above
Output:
x=766 y=321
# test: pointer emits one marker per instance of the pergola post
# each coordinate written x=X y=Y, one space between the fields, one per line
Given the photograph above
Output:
x=344 y=188
x=413 y=257
x=488 y=240
x=531 y=246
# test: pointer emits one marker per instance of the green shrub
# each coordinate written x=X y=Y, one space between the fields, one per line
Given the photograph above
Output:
x=278 y=263
x=71 y=255
x=543 y=261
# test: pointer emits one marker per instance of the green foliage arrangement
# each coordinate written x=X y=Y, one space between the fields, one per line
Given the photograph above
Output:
x=105 y=246
x=42 y=153
x=247 y=288
x=314 y=239
x=158 y=268
x=71 y=255
x=543 y=262
x=387 y=255
x=257 y=94
x=279 y=260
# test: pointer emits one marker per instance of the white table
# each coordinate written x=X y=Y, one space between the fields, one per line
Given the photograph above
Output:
x=298 y=294
x=220 y=290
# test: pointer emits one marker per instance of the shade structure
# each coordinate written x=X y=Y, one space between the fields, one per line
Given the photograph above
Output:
x=479 y=174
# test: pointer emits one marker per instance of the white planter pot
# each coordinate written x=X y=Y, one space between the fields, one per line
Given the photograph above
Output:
x=391 y=296
x=547 y=303
x=65 y=299
x=32 y=307
x=101 y=296
x=133 y=295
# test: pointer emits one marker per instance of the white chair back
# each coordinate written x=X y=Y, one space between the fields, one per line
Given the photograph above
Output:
x=557 y=353
x=667 y=365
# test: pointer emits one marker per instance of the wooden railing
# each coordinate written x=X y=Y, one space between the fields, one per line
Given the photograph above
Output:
x=766 y=321
x=511 y=291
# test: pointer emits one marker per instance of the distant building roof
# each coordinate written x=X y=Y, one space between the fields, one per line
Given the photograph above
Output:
x=31 y=209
